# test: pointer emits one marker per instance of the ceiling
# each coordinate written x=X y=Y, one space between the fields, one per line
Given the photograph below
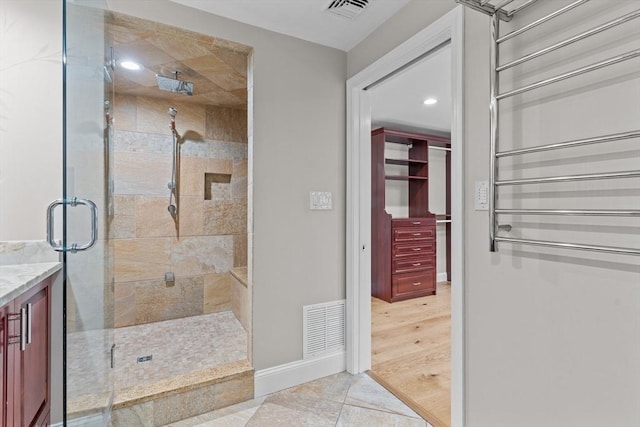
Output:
x=304 y=19
x=399 y=100
x=217 y=68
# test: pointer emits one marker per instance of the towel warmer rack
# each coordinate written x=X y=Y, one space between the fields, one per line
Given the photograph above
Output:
x=499 y=11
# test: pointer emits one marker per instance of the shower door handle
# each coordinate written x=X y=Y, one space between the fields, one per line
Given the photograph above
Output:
x=74 y=247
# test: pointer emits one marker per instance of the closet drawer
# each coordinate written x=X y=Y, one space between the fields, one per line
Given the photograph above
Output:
x=413 y=222
x=414 y=233
x=416 y=249
x=413 y=264
x=408 y=284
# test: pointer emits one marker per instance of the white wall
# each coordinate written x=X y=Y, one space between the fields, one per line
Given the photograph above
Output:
x=31 y=137
x=552 y=337
x=30 y=115
x=299 y=137
x=416 y=15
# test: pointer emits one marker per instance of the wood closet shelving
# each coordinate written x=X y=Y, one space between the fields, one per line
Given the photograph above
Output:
x=403 y=256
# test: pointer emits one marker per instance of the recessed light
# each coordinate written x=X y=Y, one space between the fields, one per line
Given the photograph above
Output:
x=130 y=65
x=430 y=101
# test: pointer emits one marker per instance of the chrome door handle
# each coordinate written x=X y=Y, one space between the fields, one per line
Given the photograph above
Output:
x=56 y=246
x=74 y=247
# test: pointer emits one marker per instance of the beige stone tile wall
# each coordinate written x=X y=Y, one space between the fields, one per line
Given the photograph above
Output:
x=210 y=236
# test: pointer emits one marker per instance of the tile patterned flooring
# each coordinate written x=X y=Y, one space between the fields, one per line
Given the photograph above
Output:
x=335 y=401
x=178 y=347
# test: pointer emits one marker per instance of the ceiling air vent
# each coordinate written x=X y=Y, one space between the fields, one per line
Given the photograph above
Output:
x=347 y=8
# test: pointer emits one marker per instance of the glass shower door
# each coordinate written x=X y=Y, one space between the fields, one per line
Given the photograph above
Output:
x=88 y=260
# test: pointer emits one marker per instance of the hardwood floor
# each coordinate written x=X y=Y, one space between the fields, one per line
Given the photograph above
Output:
x=411 y=352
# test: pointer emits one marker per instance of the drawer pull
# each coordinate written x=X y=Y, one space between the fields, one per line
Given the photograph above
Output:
x=415 y=264
x=417 y=234
x=416 y=223
x=416 y=283
x=417 y=249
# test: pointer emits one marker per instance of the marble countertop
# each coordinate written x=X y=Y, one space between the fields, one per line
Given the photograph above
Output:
x=19 y=278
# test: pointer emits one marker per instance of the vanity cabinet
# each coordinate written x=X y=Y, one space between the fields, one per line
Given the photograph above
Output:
x=26 y=341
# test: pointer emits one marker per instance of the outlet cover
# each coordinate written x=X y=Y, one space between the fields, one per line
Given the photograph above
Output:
x=320 y=200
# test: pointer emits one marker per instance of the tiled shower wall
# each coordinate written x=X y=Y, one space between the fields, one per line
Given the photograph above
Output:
x=210 y=237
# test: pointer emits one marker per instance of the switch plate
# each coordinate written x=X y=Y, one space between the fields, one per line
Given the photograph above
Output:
x=481 y=196
x=320 y=201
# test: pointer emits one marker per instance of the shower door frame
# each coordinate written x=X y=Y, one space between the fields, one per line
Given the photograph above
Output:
x=87 y=267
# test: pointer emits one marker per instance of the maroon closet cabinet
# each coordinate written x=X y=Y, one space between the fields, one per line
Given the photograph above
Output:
x=403 y=255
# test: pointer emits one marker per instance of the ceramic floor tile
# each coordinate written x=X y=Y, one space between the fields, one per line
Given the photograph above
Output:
x=354 y=416
x=316 y=404
x=365 y=392
x=333 y=388
x=296 y=411
x=232 y=416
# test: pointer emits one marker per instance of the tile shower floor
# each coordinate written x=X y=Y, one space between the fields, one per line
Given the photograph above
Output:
x=337 y=400
x=176 y=347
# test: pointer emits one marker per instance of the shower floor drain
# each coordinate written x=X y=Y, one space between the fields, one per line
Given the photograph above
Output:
x=143 y=359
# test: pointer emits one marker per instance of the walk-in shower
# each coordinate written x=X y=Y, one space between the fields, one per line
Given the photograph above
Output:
x=173 y=189
x=182 y=298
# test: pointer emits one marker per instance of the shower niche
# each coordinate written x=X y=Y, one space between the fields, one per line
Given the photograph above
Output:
x=217 y=186
x=197 y=329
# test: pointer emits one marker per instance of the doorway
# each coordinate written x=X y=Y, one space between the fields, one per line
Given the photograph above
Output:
x=448 y=29
x=410 y=193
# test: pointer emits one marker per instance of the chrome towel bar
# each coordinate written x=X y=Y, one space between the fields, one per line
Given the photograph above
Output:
x=569 y=144
x=567 y=42
x=569 y=212
x=563 y=245
x=499 y=11
x=620 y=58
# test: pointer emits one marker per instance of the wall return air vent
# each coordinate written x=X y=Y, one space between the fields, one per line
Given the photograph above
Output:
x=347 y=8
x=323 y=328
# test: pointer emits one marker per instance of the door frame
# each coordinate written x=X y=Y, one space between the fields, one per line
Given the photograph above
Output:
x=449 y=27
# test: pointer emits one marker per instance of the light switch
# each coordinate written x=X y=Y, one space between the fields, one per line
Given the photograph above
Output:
x=320 y=200
x=482 y=196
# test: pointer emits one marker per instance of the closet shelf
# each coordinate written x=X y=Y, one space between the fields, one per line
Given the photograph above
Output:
x=405 y=162
x=406 y=178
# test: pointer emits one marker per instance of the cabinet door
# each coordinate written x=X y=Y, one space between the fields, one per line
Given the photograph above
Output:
x=31 y=381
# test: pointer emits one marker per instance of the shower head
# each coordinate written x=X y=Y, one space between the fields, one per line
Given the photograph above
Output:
x=173 y=112
x=174 y=85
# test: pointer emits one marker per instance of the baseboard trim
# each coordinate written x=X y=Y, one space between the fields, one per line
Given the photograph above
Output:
x=295 y=373
x=441 y=277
